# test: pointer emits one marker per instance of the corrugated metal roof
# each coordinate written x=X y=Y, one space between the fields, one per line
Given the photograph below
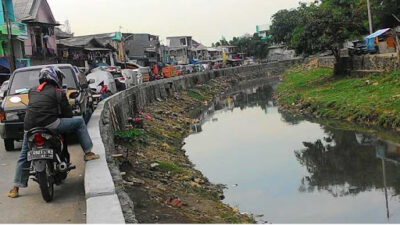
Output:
x=26 y=9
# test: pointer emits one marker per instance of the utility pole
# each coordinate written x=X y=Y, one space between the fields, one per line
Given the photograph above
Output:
x=11 y=55
x=370 y=17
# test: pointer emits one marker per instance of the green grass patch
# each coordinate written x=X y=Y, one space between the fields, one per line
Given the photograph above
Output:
x=196 y=95
x=359 y=99
x=169 y=167
x=128 y=133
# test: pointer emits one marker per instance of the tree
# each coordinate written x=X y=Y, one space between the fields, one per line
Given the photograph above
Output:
x=284 y=22
x=222 y=42
x=383 y=11
x=326 y=26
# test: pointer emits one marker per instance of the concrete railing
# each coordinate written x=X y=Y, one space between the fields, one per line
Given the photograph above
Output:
x=106 y=199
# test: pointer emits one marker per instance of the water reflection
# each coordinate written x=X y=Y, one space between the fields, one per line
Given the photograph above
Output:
x=293 y=170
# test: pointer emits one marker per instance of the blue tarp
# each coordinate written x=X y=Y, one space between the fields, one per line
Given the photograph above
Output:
x=370 y=39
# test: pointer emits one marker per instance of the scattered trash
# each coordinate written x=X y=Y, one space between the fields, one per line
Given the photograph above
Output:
x=215 y=119
x=174 y=201
x=137 y=182
x=128 y=183
x=123 y=173
x=194 y=184
x=235 y=185
x=165 y=146
x=199 y=181
x=260 y=215
x=154 y=166
x=3 y=164
x=117 y=155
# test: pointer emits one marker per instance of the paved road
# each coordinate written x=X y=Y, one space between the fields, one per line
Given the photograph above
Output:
x=68 y=206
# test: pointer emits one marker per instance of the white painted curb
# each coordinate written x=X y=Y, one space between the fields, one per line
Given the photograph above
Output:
x=102 y=203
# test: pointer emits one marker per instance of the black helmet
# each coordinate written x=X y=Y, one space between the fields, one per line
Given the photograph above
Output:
x=51 y=74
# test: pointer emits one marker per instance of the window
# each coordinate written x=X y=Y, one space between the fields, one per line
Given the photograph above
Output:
x=26 y=80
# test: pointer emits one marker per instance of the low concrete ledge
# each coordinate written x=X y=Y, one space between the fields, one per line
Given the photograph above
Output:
x=104 y=210
x=102 y=203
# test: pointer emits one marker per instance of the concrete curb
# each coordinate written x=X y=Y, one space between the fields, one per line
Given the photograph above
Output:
x=102 y=203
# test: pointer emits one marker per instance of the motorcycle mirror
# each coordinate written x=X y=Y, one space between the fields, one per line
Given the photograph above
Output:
x=65 y=86
x=74 y=95
x=15 y=99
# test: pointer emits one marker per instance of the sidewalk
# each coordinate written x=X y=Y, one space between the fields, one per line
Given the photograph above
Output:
x=68 y=206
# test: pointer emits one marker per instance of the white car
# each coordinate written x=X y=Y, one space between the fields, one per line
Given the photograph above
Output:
x=102 y=77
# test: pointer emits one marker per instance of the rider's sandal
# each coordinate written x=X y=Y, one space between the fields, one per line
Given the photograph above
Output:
x=91 y=156
x=13 y=193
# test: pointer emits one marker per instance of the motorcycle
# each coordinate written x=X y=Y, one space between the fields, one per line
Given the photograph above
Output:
x=49 y=158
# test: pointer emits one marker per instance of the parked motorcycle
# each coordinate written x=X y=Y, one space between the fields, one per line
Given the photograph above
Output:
x=49 y=158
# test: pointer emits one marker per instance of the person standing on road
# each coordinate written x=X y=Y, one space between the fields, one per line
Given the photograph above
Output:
x=49 y=107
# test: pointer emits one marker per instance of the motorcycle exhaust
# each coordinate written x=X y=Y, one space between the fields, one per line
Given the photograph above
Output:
x=62 y=167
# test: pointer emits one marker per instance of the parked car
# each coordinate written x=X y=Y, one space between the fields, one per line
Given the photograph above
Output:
x=101 y=78
x=12 y=114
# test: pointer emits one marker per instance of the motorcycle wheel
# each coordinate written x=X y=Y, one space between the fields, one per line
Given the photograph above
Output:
x=46 y=184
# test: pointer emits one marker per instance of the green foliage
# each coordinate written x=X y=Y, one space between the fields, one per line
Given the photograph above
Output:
x=128 y=133
x=169 y=167
x=195 y=95
x=251 y=46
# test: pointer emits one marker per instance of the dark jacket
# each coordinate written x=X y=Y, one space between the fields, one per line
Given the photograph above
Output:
x=46 y=106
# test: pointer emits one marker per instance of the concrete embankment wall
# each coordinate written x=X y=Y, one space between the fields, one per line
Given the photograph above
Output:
x=106 y=200
x=367 y=63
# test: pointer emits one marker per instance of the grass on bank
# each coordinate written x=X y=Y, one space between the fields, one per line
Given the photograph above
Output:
x=372 y=98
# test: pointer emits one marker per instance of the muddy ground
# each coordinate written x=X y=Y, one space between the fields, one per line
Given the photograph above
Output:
x=160 y=179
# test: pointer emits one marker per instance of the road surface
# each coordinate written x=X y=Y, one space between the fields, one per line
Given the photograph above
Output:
x=68 y=206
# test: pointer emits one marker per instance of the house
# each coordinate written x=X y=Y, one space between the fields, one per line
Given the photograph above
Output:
x=180 y=49
x=280 y=52
x=40 y=45
x=85 y=51
x=18 y=35
x=60 y=34
x=383 y=40
x=229 y=52
x=199 y=51
x=214 y=54
x=262 y=31
x=144 y=48
x=92 y=50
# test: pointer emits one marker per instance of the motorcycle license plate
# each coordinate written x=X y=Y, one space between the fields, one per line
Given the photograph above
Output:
x=40 y=154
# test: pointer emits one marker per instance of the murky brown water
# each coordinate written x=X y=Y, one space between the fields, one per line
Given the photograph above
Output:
x=294 y=171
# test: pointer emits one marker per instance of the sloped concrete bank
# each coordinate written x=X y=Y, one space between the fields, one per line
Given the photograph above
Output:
x=107 y=202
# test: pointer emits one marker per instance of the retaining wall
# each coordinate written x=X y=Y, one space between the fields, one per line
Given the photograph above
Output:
x=107 y=201
x=366 y=63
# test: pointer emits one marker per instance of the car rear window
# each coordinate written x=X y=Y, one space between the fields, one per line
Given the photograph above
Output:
x=25 y=80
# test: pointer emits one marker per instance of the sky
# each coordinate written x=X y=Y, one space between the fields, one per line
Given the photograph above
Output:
x=206 y=20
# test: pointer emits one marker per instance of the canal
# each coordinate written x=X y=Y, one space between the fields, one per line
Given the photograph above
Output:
x=283 y=169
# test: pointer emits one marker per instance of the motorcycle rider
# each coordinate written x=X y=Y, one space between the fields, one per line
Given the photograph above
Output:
x=49 y=107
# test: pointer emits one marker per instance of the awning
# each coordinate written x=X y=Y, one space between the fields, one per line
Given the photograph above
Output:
x=378 y=33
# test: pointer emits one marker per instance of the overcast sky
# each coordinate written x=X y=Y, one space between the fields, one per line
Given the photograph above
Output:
x=205 y=20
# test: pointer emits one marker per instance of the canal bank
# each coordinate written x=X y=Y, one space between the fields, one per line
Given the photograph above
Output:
x=117 y=113
x=368 y=100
